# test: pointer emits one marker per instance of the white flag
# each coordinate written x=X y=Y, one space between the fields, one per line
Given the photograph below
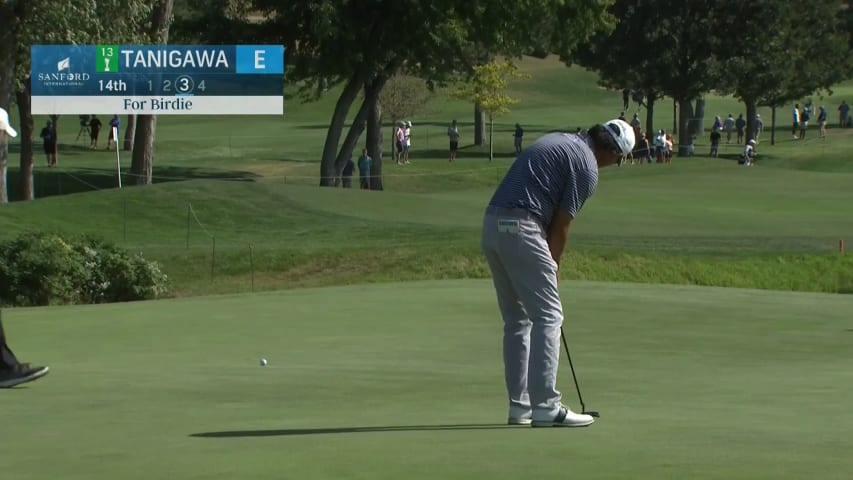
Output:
x=64 y=64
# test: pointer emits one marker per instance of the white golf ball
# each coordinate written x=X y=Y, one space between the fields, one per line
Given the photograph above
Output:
x=264 y=362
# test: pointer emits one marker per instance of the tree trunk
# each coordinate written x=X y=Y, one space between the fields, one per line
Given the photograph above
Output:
x=142 y=164
x=393 y=138
x=491 y=132
x=479 y=125
x=650 y=116
x=773 y=126
x=8 y=44
x=4 y=164
x=129 y=132
x=350 y=141
x=675 y=119
x=25 y=133
x=374 y=141
x=336 y=126
x=685 y=141
x=697 y=126
x=374 y=127
x=751 y=110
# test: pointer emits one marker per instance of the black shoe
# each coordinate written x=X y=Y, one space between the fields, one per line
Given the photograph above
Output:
x=21 y=373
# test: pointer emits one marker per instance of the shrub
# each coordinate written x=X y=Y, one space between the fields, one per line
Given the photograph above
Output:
x=40 y=268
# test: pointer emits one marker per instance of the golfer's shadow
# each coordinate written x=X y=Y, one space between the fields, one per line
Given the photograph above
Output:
x=340 y=430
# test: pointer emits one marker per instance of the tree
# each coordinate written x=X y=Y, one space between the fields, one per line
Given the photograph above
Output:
x=673 y=48
x=142 y=164
x=35 y=22
x=786 y=53
x=624 y=58
x=356 y=42
x=487 y=88
x=8 y=30
x=403 y=96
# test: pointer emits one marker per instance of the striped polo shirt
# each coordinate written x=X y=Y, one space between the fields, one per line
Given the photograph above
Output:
x=557 y=171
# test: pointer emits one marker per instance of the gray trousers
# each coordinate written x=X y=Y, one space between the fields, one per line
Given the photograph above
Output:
x=525 y=277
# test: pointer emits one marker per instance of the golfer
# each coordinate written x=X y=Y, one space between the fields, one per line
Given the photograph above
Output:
x=525 y=229
x=13 y=372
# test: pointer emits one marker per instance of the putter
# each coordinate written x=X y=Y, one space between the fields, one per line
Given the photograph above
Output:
x=591 y=413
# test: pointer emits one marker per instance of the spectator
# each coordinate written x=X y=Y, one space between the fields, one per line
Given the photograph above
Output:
x=668 y=143
x=453 y=136
x=48 y=136
x=646 y=147
x=115 y=124
x=795 y=116
x=718 y=125
x=635 y=121
x=843 y=117
x=660 y=146
x=346 y=173
x=740 y=125
x=821 y=121
x=758 y=126
x=626 y=97
x=519 y=134
x=622 y=117
x=715 y=143
x=730 y=127
x=804 y=122
x=400 y=134
x=747 y=158
x=365 y=163
x=94 y=129
x=407 y=142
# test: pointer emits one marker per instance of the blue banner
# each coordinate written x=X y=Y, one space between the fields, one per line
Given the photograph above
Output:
x=219 y=70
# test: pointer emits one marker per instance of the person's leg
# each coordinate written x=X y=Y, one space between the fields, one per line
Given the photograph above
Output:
x=527 y=259
x=7 y=358
x=517 y=325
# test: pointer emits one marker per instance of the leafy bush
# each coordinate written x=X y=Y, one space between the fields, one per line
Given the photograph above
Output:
x=39 y=268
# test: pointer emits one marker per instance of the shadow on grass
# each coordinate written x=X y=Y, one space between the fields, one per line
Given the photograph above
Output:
x=340 y=430
x=49 y=182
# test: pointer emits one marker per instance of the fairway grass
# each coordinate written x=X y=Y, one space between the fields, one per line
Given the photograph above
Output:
x=404 y=380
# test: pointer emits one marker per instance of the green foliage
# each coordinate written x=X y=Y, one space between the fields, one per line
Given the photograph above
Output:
x=487 y=87
x=38 y=268
x=117 y=276
x=76 y=22
x=785 y=52
x=404 y=96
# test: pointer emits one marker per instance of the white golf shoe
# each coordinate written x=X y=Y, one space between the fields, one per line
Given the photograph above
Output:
x=519 y=416
x=560 y=416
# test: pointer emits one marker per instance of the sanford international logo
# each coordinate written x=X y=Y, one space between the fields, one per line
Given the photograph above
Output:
x=64 y=76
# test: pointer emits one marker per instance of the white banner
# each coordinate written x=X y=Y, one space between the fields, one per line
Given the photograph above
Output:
x=156 y=105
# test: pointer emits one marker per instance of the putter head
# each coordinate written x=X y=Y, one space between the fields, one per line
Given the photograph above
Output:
x=592 y=413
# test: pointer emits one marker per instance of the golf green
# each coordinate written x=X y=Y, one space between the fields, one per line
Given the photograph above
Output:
x=404 y=380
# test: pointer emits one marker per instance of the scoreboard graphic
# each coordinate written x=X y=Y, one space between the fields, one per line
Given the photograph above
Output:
x=157 y=79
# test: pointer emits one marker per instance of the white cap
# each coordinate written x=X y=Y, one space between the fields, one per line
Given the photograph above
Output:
x=622 y=134
x=751 y=142
x=4 y=124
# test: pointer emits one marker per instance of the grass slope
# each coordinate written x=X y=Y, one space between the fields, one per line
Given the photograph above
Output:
x=405 y=381
x=250 y=182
